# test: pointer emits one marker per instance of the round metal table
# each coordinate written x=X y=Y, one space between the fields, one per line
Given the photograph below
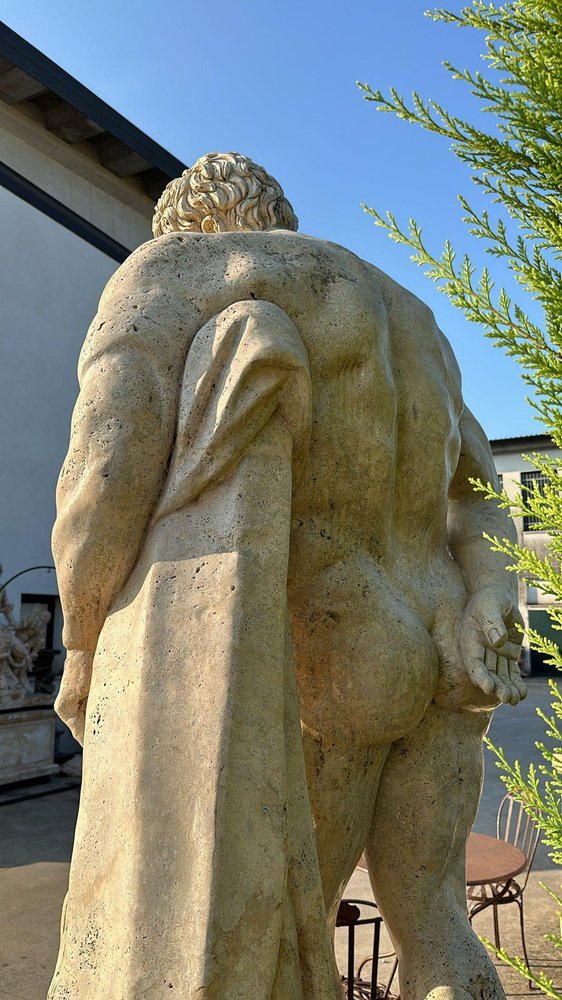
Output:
x=489 y=860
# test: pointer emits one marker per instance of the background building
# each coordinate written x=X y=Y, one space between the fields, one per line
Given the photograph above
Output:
x=516 y=471
x=78 y=184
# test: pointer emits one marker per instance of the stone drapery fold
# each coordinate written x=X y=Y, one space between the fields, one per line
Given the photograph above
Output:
x=194 y=867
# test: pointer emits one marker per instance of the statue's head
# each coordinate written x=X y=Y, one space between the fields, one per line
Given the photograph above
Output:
x=220 y=193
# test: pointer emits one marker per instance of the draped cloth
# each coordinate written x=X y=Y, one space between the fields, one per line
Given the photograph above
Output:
x=194 y=872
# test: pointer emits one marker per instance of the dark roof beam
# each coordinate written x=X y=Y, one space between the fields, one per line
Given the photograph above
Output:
x=65 y=121
x=154 y=182
x=16 y=85
x=120 y=158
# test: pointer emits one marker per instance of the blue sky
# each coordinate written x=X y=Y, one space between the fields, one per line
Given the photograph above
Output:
x=276 y=80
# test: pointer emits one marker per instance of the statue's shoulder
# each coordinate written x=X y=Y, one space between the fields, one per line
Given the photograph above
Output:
x=400 y=299
x=193 y=248
x=202 y=265
x=160 y=255
x=160 y=268
x=143 y=265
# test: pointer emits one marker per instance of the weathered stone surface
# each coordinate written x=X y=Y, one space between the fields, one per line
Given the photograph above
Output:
x=267 y=488
x=27 y=741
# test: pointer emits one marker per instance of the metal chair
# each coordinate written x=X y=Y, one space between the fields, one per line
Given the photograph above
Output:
x=350 y=916
x=381 y=992
x=515 y=827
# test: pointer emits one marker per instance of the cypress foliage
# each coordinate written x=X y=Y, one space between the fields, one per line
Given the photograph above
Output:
x=517 y=163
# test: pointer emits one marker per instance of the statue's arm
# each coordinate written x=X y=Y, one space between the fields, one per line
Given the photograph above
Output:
x=490 y=630
x=121 y=435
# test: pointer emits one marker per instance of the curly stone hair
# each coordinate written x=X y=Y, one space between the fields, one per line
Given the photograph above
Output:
x=223 y=192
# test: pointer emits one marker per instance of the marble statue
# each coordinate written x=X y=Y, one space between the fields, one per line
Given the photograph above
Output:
x=20 y=643
x=285 y=631
x=8 y=681
x=6 y=607
x=31 y=634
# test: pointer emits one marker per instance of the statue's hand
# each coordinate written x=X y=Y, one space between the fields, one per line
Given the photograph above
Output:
x=490 y=637
x=73 y=695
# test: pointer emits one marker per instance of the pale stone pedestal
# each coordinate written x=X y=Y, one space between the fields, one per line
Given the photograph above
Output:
x=27 y=739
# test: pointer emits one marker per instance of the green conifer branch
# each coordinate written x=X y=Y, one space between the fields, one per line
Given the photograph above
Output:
x=518 y=165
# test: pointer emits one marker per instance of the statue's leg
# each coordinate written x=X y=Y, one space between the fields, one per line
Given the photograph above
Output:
x=427 y=801
x=342 y=784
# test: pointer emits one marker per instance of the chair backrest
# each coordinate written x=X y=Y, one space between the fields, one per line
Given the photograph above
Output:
x=516 y=827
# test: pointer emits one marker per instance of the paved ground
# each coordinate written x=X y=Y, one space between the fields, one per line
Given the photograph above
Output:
x=36 y=839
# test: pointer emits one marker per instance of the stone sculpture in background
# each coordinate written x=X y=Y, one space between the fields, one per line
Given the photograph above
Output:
x=267 y=488
x=27 y=719
x=31 y=634
x=8 y=681
x=6 y=608
x=19 y=646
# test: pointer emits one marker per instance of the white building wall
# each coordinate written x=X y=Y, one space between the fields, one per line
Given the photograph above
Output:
x=50 y=283
x=511 y=464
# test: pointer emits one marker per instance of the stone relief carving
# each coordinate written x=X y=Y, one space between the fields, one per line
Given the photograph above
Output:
x=285 y=631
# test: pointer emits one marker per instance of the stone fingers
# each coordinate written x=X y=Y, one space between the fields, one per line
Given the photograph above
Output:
x=508 y=685
x=503 y=675
x=492 y=662
x=517 y=680
x=480 y=675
